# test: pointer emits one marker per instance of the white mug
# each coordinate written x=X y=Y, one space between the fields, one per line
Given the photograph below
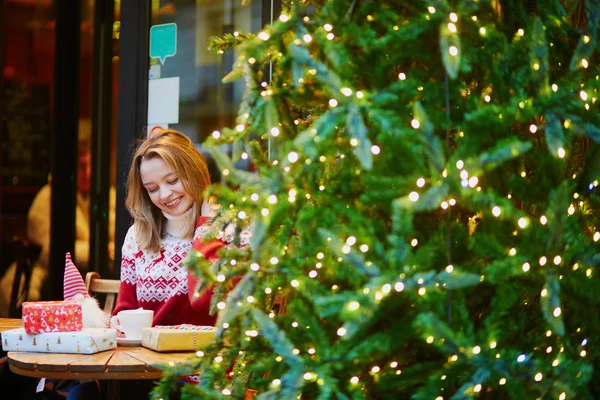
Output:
x=131 y=322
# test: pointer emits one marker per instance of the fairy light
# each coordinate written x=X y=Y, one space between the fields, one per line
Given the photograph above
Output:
x=274 y=260
x=354 y=142
x=226 y=392
x=264 y=36
x=584 y=63
x=544 y=292
x=399 y=286
x=477 y=388
x=521 y=32
x=422 y=291
x=561 y=152
x=221 y=278
x=482 y=31
x=538 y=377
x=311 y=351
x=533 y=128
x=543 y=260
x=512 y=251
x=413 y=196
x=429 y=339
x=364 y=248
x=451 y=27
x=583 y=95
x=557 y=260
x=346 y=91
x=414 y=242
x=449 y=268
x=502 y=381
x=476 y=350
x=555 y=363
x=272 y=199
x=221 y=305
x=294 y=283
x=284 y=18
x=548 y=333
x=522 y=222
x=333 y=103
x=487 y=98
x=526 y=267
x=444 y=205
x=402 y=76
x=375 y=149
x=341 y=331
x=521 y=358
x=264 y=211
x=431 y=9
x=307 y=38
x=354 y=380
x=562 y=396
x=216 y=134
x=571 y=209
x=415 y=124
x=554 y=87
x=557 y=311
x=496 y=211
x=543 y=220
x=464 y=174
x=493 y=345
x=268 y=290
x=473 y=181
x=452 y=202
x=453 y=17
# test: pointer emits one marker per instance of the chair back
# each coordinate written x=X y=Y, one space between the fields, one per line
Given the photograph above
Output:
x=95 y=285
x=26 y=254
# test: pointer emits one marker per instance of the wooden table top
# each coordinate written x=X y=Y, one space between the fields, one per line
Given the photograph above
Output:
x=10 y=323
x=117 y=364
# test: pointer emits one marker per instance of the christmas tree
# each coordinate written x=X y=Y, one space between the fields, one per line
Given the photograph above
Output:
x=424 y=210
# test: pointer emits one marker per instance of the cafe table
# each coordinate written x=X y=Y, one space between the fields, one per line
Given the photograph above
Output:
x=121 y=363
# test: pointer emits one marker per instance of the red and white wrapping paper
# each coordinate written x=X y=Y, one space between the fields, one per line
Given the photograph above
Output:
x=52 y=316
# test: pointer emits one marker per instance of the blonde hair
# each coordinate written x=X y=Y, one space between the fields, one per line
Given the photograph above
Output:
x=180 y=154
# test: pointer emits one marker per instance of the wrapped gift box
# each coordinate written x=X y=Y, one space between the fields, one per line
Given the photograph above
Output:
x=86 y=341
x=177 y=337
x=51 y=316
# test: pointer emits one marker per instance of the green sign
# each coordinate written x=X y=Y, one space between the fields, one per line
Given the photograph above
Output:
x=163 y=41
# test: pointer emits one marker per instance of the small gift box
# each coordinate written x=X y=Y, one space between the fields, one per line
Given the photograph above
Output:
x=86 y=341
x=52 y=316
x=177 y=337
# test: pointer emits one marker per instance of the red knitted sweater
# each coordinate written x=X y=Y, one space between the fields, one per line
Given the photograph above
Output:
x=159 y=280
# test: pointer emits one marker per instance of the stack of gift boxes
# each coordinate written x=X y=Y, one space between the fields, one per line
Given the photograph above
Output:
x=56 y=327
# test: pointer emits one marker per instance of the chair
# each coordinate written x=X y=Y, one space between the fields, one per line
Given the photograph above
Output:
x=26 y=253
x=110 y=287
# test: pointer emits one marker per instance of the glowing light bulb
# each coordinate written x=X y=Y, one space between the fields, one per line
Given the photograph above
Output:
x=496 y=211
x=415 y=123
x=533 y=128
x=522 y=222
x=413 y=196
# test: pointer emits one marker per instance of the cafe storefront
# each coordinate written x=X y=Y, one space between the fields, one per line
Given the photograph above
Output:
x=92 y=76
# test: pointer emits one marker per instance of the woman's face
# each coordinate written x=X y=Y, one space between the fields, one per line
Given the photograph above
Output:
x=164 y=187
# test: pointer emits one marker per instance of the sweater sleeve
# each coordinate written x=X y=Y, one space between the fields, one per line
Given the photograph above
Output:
x=209 y=252
x=201 y=303
x=127 y=297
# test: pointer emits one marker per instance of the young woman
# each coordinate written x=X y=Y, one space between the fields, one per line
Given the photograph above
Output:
x=165 y=186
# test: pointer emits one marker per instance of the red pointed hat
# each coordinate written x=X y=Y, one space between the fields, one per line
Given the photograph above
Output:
x=73 y=282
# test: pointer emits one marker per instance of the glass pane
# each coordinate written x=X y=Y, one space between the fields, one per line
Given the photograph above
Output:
x=28 y=76
x=185 y=89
